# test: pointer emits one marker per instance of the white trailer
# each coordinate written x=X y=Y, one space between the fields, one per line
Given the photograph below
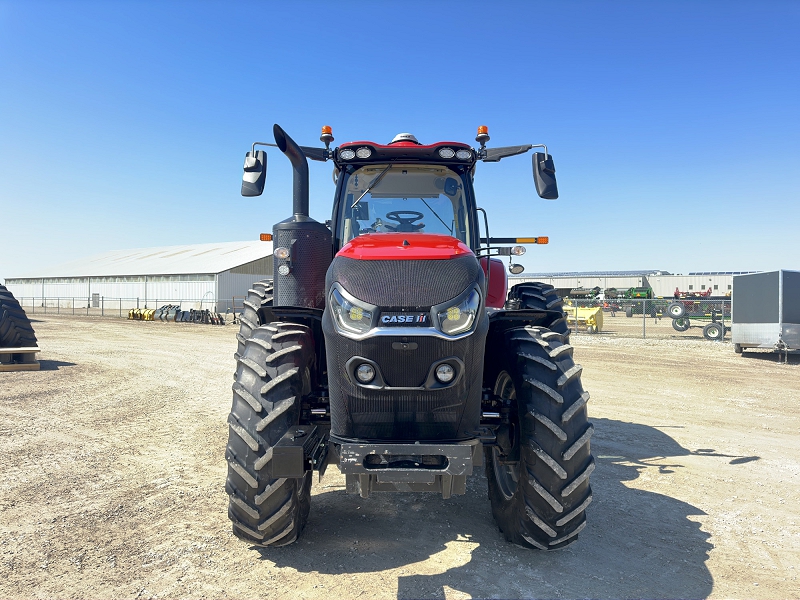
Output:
x=766 y=311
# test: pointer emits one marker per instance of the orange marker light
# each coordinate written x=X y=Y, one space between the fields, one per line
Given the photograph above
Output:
x=533 y=240
x=543 y=240
x=265 y=237
x=326 y=137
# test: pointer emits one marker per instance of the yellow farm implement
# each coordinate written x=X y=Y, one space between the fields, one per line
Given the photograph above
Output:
x=589 y=318
x=141 y=314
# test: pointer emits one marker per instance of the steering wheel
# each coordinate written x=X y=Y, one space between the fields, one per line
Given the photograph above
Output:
x=406 y=219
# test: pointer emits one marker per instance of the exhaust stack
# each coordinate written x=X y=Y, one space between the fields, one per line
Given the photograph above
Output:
x=300 y=164
x=300 y=276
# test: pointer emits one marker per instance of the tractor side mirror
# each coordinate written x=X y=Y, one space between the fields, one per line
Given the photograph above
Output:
x=544 y=175
x=450 y=187
x=255 y=173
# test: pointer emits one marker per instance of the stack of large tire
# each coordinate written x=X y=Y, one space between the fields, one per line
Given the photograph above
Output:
x=15 y=327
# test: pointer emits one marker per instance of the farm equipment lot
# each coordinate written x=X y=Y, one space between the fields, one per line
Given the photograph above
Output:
x=113 y=471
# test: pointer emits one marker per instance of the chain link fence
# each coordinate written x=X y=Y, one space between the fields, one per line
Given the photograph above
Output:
x=102 y=306
x=685 y=318
x=664 y=318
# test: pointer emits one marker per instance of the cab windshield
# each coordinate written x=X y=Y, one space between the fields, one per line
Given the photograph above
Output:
x=401 y=198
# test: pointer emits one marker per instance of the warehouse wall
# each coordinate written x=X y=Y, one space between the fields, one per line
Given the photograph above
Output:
x=664 y=285
x=147 y=289
x=232 y=285
x=621 y=283
x=235 y=285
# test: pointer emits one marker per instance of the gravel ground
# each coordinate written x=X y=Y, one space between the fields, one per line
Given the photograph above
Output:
x=113 y=470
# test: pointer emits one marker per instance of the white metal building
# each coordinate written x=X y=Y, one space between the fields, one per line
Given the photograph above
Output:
x=207 y=274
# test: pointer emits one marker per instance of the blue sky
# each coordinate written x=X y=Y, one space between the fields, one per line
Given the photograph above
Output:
x=675 y=126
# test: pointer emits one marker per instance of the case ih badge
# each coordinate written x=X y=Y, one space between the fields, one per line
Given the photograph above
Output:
x=391 y=319
x=388 y=343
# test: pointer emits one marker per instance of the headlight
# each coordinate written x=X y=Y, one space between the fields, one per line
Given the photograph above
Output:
x=347 y=154
x=460 y=316
x=348 y=316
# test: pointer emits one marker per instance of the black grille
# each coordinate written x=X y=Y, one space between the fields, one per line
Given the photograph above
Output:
x=409 y=283
x=399 y=415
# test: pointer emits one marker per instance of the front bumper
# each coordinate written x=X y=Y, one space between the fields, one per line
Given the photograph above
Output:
x=415 y=467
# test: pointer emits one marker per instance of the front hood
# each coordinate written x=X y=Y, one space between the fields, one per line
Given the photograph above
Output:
x=404 y=246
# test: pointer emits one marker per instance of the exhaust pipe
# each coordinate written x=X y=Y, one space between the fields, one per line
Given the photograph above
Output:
x=300 y=188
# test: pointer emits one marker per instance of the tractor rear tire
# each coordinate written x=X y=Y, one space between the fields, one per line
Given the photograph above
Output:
x=16 y=330
x=542 y=296
x=259 y=295
x=273 y=374
x=540 y=489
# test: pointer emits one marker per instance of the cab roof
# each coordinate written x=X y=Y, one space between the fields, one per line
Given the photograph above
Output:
x=403 y=151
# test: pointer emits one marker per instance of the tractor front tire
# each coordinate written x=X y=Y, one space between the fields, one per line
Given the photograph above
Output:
x=539 y=486
x=258 y=296
x=540 y=296
x=15 y=327
x=273 y=374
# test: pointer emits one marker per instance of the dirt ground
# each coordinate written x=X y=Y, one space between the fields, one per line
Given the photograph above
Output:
x=112 y=472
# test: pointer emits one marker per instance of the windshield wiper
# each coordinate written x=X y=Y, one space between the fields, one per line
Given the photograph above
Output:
x=372 y=184
x=450 y=229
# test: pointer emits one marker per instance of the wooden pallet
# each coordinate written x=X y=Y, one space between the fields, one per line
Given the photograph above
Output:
x=19 y=359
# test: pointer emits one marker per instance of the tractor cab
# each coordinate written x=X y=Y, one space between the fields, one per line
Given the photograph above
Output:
x=404 y=187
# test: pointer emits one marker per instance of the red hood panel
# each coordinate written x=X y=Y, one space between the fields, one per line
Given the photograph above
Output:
x=391 y=246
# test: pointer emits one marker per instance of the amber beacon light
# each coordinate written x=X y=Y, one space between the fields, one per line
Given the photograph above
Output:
x=483 y=135
x=326 y=137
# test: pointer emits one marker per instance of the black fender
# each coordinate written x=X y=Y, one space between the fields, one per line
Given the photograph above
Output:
x=500 y=321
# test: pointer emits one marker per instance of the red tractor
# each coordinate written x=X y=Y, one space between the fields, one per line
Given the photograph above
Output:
x=389 y=344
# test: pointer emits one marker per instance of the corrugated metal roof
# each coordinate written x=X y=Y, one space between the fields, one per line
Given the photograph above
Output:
x=723 y=272
x=166 y=260
x=597 y=274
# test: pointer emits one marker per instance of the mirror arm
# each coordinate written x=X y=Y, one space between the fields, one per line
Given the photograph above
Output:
x=253 y=149
x=320 y=154
x=498 y=154
x=546 y=155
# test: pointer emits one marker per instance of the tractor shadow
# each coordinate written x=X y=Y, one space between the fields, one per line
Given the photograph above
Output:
x=638 y=543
